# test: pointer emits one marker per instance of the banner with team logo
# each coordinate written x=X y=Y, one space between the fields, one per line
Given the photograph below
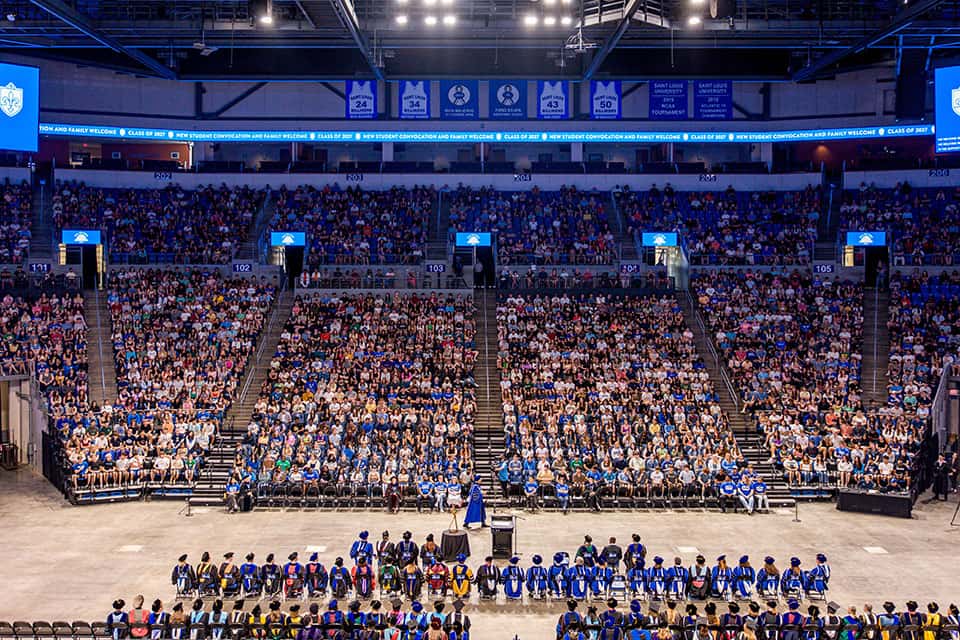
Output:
x=459 y=99
x=361 y=99
x=508 y=100
x=553 y=99
x=605 y=100
x=414 y=100
x=19 y=107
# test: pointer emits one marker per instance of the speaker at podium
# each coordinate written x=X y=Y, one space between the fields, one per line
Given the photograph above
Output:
x=502 y=528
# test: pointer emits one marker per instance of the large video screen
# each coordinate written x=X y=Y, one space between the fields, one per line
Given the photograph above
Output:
x=946 y=88
x=19 y=107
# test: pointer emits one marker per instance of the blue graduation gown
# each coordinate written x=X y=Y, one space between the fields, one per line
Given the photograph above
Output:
x=476 y=512
x=536 y=580
x=818 y=578
x=637 y=580
x=743 y=579
x=657 y=580
x=558 y=580
x=512 y=579
x=577 y=581
x=720 y=580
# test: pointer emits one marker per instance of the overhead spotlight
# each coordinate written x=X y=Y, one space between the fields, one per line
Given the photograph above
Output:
x=430 y=21
x=446 y=3
x=401 y=19
x=566 y=20
x=429 y=3
x=698 y=3
x=694 y=21
x=549 y=3
x=450 y=20
x=549 y=21
x=11 y=16
x=566 y=1
x=530 y=20
x=261 y=10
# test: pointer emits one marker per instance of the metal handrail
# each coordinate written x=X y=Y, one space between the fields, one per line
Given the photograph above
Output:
x=258 y=354
x=713 y=351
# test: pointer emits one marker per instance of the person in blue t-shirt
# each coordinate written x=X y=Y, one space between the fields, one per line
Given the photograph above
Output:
x=760 y=500
x=531 y=490
x=727 y=491
x=745 y=494
x=563 y=493
x=424 y=494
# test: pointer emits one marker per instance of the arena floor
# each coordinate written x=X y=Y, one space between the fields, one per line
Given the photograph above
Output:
x=63 y=562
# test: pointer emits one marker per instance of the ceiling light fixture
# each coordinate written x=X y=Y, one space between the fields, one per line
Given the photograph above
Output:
x=694 y=21
x=549 y=21
x=566 y=20
x=430 y=21
x=450 y=20
x=401 y=19
x=530 y=20
x=698 y=3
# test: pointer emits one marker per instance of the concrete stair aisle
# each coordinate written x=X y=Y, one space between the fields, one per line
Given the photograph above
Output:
x=248 y=248
x=100 y=362
x=488 y=422
x=876 y=348
x=628 y=247
x=209 y=489
x=741 y=424
x=438 y=227
x=41 y=231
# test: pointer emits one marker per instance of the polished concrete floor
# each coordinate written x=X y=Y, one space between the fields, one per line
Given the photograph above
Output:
x=63 y=562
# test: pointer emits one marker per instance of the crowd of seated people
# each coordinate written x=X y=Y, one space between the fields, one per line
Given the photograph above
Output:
x=792 y=345
x=354 y=226
x=16 y=218
x=566 y=278
x=408 y=570
x=924 y=329
x=367 y=395
x=727 y=227
x=568 y=226
x=169 y=225
x=606 y=395
x=181 y=340
x=908 y=214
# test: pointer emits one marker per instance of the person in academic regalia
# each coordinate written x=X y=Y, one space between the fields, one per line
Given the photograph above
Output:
x=588 y=552
x=461 y=577
x=600 y=577
x=377 y=617
x=429 y=551
x=851 y=625
x=438 y=577
x=610 y=630
x=270 y=576
x=790 y=621
x=699 y=583
x=744 y=577
x=636 y=580
x=250 y=576
x=354 y=620
x=812 y=627
x=407 y=550
x=578 y=579
x=385 y=550
x=158 y=620
x=512 y=580
x=488 y=578
x=678 y=578
x=952 y=620
x=721 y=579
x=391 y=582
x=340 y=580
x=457 y=624
x=931 y=626
x=315 y=577
x=208 y=580
x=333 y=620
x=657 y=579
x=412 y=580
x=633 y=622
x=556 y=575
x=636 y=553
x=794 y=580
x=731 y=623
x=361 y=548
x=363 y=578
x=537 y=579
x=293 y=576
x=888 y=621
x=768 y=579
x=229 y=576
x=818 y=578
x=184 y=577
x=118 y=620
x=941 y=478
x=476 y=511
x=568 y=619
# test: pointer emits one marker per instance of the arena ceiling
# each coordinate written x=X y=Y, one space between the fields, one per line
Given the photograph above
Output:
x=768 y=40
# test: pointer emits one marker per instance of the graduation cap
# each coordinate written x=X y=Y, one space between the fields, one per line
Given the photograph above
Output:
x=182 y=558
x=294 y=608
x=228 y=555
x=375 y=605
x=416 y=606
x=833 y=607
x=250 y=557
x=314 y=556
x=654 y=607
x=396 y=603
x=439 y=605
x=238 y=605
x=458 y=605
x=293 y=556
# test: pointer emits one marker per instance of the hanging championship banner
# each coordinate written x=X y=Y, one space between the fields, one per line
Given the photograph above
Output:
x=553 y=100
x=507 y=100
x=668 y=100
x=605 y=100
x=361 y=100
x=414 y=99
x=713 y=100
x=459 y=99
